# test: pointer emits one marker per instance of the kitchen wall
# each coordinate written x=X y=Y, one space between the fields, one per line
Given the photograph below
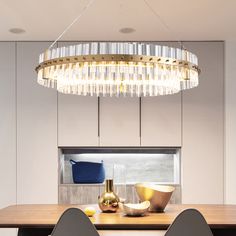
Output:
x=203 y=130
x=230 y=122
x=35 y=120
x=7 y=128
x=36 y=130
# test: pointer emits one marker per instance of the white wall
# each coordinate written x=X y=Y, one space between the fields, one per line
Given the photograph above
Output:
x=7 y=128
x=7 y=124
x=28 y=130
x=202 y=135
x=230 y=122
x=36 y=130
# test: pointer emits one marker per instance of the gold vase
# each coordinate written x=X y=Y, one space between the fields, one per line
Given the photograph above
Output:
x=108 y=201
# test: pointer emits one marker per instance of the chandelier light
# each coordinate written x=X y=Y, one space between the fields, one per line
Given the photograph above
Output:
x=117 y=68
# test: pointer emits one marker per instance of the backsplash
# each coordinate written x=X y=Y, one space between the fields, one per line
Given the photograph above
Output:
x=156 y=165
x=88 y=194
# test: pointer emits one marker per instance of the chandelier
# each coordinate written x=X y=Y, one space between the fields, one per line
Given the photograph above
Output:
x=117 y=68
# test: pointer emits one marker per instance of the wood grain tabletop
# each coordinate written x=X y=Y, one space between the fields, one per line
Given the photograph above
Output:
x=217 y=216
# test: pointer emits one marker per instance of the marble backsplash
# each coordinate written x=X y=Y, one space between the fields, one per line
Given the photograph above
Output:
x=88 y=193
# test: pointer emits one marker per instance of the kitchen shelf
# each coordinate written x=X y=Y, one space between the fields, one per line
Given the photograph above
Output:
x=163 y=159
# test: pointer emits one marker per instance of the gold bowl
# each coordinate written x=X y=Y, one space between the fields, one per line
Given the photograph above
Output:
x=158 y=195
x=138 y=209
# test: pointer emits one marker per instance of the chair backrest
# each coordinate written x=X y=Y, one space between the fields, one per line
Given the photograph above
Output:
x=190 y=222
x=74 y=222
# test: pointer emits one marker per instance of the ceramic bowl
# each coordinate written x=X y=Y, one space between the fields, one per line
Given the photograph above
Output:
x=139 y=209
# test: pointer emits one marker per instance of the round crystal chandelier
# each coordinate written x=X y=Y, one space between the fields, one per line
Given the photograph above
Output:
x=118 y=68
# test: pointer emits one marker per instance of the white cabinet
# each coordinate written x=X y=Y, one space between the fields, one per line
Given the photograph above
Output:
x=77 y=119
x=7 y=129
x=230 y=124
x=203 y=134
x=161 y=118
x=7 y=124
x=161 y=121
x=37 y=156
x=119 y=121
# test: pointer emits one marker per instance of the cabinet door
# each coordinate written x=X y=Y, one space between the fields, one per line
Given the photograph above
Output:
x=161 y=121
x=7 y=124
x=119 y=121
x=161 y=117
x=77 y=118
x=230 y=124
x=7 y=129
x=36 y=130
x=203 y=113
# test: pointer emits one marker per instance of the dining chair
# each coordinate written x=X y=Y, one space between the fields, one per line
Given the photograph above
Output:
x=74 y=222
x=190 y=222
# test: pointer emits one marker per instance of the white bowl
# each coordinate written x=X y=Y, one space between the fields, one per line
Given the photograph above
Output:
x=138 y=209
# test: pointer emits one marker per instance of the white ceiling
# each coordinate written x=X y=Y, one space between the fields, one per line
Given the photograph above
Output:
x=187 y=19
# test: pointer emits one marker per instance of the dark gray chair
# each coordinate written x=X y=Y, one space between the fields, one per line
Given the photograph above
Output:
x=190 y=222
x=74 y=222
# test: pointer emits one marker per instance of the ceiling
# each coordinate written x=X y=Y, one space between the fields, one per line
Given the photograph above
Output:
x=183 y=19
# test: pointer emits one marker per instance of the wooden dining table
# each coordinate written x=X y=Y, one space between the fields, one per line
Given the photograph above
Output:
x=39 y=220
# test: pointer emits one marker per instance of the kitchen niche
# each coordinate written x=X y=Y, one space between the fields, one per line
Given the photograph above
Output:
x=146 y=164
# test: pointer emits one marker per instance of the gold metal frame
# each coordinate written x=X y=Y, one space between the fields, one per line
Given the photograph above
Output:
x=118 y=58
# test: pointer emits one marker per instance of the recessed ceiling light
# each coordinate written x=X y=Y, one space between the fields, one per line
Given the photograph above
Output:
x=127 y=30
x=17 y=31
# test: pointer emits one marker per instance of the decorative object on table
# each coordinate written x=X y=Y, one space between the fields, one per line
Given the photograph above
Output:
x=117 y=68
x=109 y=201
x=89 y=211
x=87 y=172
x=158 y=195
x=139 y=209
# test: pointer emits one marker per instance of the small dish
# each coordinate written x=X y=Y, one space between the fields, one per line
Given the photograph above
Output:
x=138 y=209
